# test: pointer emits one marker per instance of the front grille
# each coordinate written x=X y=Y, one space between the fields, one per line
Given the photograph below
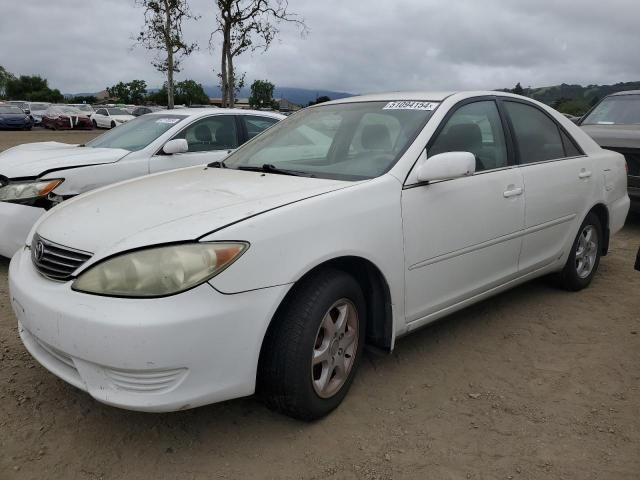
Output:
x=632 y=156
x=54 y=261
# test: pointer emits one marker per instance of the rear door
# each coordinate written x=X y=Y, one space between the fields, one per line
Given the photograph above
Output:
x=210 y=139
x=557 y=183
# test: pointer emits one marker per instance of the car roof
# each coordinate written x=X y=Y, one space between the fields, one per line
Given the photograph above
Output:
x=426 y=96
x=203 y=112
x=626 y=92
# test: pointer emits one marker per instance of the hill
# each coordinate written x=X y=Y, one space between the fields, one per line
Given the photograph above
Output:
x=575 y=99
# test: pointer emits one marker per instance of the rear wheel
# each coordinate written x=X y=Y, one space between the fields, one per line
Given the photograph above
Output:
x=95 y=124
x=312 y=350
x=113 y=124
x=584 y=258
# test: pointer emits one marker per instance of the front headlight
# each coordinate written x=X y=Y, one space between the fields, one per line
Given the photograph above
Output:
x=27 y=190
x=160 y=271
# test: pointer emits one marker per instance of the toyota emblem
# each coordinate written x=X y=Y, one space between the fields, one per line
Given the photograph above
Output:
x=39 y=251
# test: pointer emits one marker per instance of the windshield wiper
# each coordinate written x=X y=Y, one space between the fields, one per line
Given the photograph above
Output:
x=269 y=168
x=218 y=164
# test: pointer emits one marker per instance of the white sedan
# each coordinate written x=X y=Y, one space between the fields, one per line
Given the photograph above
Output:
x=110 y=117
x=352 y=222
x=35 y=177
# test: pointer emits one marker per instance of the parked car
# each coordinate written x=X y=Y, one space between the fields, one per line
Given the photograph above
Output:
x=14 y=117
x=37 y=110
x=21 y=104
x=83 y=107
x=136 y=112
x=110 y=117
x=64 y=117
x=353 y=222
x=35 y=177
x=615 y=124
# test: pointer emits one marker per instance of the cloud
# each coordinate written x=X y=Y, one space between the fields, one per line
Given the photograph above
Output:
x=356 y=46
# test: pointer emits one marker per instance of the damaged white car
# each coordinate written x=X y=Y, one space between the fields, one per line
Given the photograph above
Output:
x=35 y=177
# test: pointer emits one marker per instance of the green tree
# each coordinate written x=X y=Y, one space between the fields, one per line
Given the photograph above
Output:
x=261 y=94
x=130 y=92
x=137 y=91
x=189 y=92
x=247 y=25
x=163 y=33
x=5 y=76
x=33 y=88
x=518 y=90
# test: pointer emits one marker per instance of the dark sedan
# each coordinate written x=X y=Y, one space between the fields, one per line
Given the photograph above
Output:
x=14 y=118
x=615 y=124
x=61 y=117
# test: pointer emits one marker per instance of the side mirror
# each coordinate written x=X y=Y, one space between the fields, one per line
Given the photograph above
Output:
x=446 y=166
x=177 y=145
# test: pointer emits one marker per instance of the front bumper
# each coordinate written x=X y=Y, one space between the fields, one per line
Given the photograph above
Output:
x=15 y=224
x=164 y=354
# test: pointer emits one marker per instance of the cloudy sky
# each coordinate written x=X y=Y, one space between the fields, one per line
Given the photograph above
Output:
x=353 y=45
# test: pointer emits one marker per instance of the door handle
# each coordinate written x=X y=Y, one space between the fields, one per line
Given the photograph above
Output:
x=512 y=192
x=584 y=174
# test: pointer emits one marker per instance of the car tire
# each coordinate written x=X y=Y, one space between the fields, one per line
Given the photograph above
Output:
x=584 y=258
x=95 y=124
x=113 y=124
x=325 y=317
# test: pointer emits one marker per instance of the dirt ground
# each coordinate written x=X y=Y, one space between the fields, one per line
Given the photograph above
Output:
x=535 y=383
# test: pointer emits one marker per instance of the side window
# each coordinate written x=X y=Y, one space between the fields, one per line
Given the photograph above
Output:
x=536 y=135
x=101 y=111
x=255 y=124
x=211 y=133
x=570 y=148
x=475 y=128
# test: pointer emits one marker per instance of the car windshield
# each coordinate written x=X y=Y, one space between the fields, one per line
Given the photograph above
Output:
x=39 y=106
x=348 y=141
x=136 y=134
x=84 y=108
x=6 y=109
x=616 y=110
x=117 y=111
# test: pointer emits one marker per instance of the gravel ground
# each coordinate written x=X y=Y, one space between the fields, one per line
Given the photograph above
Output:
x=535 y=383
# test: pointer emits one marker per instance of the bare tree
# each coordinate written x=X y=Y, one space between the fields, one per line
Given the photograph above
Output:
x=163 y=33
x=247 y=25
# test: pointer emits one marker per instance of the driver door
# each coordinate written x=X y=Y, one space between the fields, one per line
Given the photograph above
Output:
x=210 y=139
x=463 y=236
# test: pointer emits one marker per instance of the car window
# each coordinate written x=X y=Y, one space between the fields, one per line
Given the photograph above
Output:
x=347 y=141
x=537 y=136
x=570 y=148
x=616 y=110
x=211 y=133
x=256 y=124
x=102 y=111
x=476 y=128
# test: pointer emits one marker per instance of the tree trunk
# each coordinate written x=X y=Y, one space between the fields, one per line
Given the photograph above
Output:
x=226 y=45
x=232 y=82
x=169 y=45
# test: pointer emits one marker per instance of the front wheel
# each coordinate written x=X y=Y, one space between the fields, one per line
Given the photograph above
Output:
x=584 y=258
x=113 y=124
x=312 y=350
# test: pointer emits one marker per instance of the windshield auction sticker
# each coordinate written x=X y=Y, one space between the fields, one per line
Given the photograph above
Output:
x=410 y=105
x=168 y=120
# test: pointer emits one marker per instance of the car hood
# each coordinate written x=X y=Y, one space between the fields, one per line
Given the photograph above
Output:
x=175 y=206
x=615 y=136
x=33 y=159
